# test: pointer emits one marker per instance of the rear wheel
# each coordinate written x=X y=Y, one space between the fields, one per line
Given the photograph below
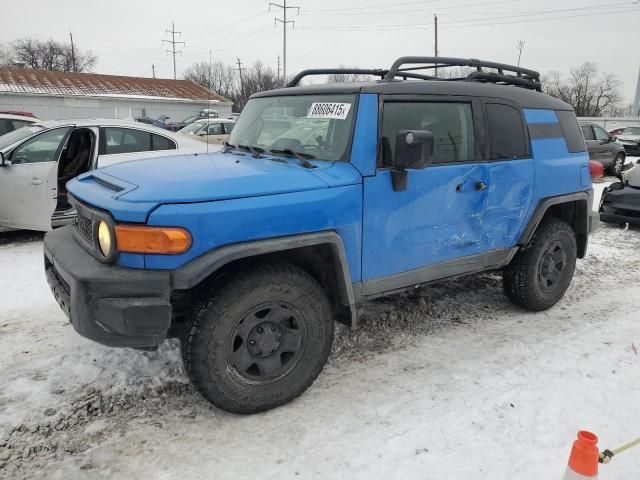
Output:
x=540 y=273
x=260 y=340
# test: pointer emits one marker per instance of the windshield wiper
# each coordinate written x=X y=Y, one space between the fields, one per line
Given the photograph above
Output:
x=302 y=157
x=255 y=151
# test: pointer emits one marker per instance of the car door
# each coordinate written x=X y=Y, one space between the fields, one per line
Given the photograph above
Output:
x=29 y=186
x=594 y=149
x=607 y=150
x=511 y=173
x=215 y=133
x=440 y=214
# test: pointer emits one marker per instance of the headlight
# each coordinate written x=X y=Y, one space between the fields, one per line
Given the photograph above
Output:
x=105 y=238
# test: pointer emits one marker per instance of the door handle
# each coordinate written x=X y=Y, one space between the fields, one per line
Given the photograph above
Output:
x=480 y=186
x=36 y=181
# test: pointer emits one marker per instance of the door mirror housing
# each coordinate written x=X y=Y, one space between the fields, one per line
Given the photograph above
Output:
x=612 y=138
x=3 y=161
x=414 y=149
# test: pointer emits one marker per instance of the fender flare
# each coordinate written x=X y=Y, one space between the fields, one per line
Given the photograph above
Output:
x=197 y=270
x=581 y=222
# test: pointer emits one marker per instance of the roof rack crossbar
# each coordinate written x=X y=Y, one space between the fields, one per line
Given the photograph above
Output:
x=329 y=71
x=504 y=74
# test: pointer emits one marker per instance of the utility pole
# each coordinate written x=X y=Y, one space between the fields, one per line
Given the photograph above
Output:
x=284 y=22
x=520 y=47
x=73 y=53
x=173 y=45
x=278 y=75
x=153 y=69
x=240 y=69
x=435 y=22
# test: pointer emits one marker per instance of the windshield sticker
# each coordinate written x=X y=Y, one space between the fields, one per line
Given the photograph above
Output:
x=338 y=111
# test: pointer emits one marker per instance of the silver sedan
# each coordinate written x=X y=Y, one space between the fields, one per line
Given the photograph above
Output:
x=37 y=161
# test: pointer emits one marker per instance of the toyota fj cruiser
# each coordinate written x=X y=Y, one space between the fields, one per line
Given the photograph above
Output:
x=325 y=196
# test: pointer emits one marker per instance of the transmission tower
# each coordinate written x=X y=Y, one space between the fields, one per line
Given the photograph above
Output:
x=173 y=43
x=284 y=23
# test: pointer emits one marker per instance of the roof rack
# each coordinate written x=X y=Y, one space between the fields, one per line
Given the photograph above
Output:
x=500 y=73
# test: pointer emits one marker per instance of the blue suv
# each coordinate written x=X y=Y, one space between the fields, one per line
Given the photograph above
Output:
x=324 y=197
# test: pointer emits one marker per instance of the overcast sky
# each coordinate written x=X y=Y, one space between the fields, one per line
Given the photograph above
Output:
x=127 y=34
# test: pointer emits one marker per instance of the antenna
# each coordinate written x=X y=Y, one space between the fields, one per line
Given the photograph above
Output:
x=208 y=103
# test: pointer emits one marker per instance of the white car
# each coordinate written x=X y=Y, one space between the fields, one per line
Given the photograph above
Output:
x=10 y=121
x=211 y=130
x=37 y=161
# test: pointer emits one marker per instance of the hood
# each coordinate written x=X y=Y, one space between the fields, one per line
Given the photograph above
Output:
x=628 y=137
x=221 y=176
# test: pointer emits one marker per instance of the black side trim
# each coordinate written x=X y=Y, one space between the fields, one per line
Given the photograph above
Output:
x=460 y=266
x=199 y=269
x=545 y=130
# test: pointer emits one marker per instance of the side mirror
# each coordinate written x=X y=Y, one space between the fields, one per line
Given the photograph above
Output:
x=202 y=133
x=414 y=149
x=3 y=161
x=612 y=138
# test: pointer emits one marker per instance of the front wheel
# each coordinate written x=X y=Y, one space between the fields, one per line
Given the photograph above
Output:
x=618 y=164
x=540 y=273
x=260 y=340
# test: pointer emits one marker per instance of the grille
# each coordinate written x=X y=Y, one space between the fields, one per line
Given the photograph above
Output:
x=85 y=227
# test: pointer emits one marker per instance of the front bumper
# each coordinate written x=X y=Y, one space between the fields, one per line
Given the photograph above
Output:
x=114 y=306
x=620 y=204
x=631 y=148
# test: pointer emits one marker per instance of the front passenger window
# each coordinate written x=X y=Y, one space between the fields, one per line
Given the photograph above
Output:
x=450 y=123
x=41 y=148
x=601 y=135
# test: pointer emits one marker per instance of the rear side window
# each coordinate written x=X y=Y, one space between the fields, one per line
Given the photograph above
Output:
x=162 y=143
x=506 y=131
x=571 y=131
x=126 y=140
x=450 y=123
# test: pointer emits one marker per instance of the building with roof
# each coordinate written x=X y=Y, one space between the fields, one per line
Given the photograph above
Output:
x=63 y=95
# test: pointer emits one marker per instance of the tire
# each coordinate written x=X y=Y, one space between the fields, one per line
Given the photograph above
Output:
x=260 y=340
x=617 y=165
x=541 y=272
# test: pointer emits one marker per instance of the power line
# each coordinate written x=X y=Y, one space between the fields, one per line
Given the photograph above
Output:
x=284 y=22
x=173 y=43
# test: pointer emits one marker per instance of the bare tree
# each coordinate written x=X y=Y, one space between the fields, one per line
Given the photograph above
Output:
x=216 y=76
x=347 y=77
x=51 y=55
x=588 y=91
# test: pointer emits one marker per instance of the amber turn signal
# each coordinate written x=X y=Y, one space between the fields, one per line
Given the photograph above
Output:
x=159 y=240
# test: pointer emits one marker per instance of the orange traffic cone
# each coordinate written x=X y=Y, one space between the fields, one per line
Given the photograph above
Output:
x=583 y=461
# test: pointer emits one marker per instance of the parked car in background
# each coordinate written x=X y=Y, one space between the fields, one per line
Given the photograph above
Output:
x=620 y=201
x=603 y=148
x=37 y=161
x=630 y=140
x=202 y=114
x=233 y=116
x=10 y=121
x=214 y=131
x=159 y=122
x=614 y=132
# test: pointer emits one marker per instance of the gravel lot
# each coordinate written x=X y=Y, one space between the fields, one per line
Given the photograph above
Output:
x=448 y=382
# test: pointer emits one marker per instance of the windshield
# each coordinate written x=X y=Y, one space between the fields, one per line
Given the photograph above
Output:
x=19 y=134
x=193 y=128
x=316 y=125
x=627 y=131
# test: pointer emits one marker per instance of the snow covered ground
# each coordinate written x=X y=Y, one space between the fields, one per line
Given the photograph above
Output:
x=448 y=382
